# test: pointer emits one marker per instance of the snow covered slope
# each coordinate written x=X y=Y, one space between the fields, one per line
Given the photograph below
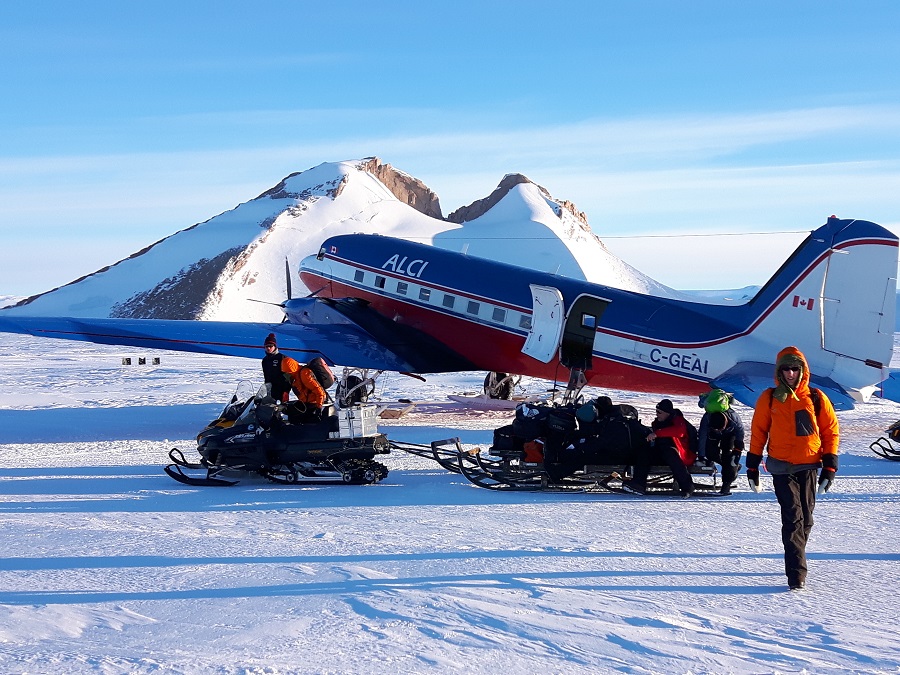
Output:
x=232 y=266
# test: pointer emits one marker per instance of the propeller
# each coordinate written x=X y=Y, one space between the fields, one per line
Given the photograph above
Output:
x=287 y=277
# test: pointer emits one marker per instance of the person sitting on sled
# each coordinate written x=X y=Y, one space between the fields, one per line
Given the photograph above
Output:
x=670 y=442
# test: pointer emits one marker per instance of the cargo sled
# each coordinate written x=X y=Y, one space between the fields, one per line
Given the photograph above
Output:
x=567 y=448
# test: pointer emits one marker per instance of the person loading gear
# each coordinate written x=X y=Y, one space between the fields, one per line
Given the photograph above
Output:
x=721 y=436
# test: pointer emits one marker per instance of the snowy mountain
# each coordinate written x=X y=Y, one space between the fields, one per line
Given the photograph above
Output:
x=232 y=266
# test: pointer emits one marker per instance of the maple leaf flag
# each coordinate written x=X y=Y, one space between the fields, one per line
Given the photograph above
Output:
x=803 y=302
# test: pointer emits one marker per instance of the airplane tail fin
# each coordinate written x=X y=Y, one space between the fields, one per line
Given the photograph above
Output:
x=834 y=299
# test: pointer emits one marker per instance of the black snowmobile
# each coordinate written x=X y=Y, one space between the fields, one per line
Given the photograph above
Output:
x=285 y=444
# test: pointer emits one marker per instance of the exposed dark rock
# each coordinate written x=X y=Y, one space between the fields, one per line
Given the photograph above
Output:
x=331 y=188
x=404 y=187
x=181 y=296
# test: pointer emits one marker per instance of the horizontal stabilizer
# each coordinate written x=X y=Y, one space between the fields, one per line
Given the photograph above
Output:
x=890 y=388
x=748 y=379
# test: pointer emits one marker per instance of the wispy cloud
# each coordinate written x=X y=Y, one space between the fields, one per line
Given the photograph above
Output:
x=686 y=173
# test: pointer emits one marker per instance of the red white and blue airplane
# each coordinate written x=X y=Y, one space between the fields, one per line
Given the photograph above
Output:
x=388 y=304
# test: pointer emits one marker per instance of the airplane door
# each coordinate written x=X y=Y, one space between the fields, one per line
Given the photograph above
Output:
x=547 y=317
x=864 y=327
x=577 y=348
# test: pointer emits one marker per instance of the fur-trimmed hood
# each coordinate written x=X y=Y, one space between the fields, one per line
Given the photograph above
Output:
x=790 y=356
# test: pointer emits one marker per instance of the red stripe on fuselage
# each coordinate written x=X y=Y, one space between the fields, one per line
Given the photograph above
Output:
x=492 y=348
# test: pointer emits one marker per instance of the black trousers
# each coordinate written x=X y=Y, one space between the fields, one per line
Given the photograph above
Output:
x=796 y=493
x=663 y=450
x=728 y=459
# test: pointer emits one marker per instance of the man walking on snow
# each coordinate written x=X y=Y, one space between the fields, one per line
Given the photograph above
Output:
x=801 y=430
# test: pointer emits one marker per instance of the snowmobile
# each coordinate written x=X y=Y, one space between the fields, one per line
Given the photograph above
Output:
x=285 y=444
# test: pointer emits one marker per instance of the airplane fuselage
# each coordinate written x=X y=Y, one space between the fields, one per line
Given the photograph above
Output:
x=484 y=311
x=488 y=313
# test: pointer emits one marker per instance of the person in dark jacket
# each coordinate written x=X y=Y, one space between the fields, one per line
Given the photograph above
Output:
x=796 y=425
x=721 y=440
x=669 y=442
x=274 y=373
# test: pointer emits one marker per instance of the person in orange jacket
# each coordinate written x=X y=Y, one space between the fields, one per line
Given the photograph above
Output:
x=799 y=426
x=304 y=384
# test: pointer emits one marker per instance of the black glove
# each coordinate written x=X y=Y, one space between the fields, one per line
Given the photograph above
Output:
x=753 y=462
x=826 y=480
x=316 y=414
x=753 y=479
x=826 y=475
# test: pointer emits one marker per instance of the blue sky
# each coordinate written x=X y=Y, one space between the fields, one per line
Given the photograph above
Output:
x=122 y=123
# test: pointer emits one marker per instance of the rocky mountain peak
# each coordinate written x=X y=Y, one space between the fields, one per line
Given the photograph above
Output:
x=479 y=207
x=409 y=190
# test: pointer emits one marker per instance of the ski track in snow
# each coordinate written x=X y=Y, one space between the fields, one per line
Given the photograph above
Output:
x=109 y=566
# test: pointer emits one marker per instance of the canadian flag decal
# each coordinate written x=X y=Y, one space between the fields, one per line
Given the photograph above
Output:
x=804 y=302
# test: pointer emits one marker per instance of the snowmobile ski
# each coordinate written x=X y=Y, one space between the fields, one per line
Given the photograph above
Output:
x=174 y=470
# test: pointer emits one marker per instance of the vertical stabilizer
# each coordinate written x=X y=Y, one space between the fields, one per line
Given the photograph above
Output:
x=837 y=294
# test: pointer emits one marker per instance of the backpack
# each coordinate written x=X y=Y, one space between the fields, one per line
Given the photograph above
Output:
x=562 y=421
x=693 y=437
x=587 y=412
x=321 y=371
x=716 y=400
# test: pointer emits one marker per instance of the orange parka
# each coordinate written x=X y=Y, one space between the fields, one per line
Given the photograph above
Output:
x=786 y=421
x=304 y=383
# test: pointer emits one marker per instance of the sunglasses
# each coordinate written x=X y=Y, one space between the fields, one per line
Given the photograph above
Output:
x=793 y=369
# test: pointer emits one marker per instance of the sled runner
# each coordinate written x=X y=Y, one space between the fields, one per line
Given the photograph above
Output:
x=883 y=447
x=512 y=473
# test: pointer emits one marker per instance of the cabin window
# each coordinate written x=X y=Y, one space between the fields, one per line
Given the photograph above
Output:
x=425 y=294
x=379 y=282
x=402 y=287
x=473 y=307
x=449 y=301
x=525 y=321
x=499 y=314
x=359 y=275
x=589 y=321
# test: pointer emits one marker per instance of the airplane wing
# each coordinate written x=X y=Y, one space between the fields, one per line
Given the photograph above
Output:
x=748 y=379
x=345 y=344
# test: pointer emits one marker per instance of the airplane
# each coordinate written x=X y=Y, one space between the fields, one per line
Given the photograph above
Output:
x=388 y=304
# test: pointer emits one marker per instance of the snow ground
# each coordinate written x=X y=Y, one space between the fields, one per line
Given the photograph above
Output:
x=109 y=566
